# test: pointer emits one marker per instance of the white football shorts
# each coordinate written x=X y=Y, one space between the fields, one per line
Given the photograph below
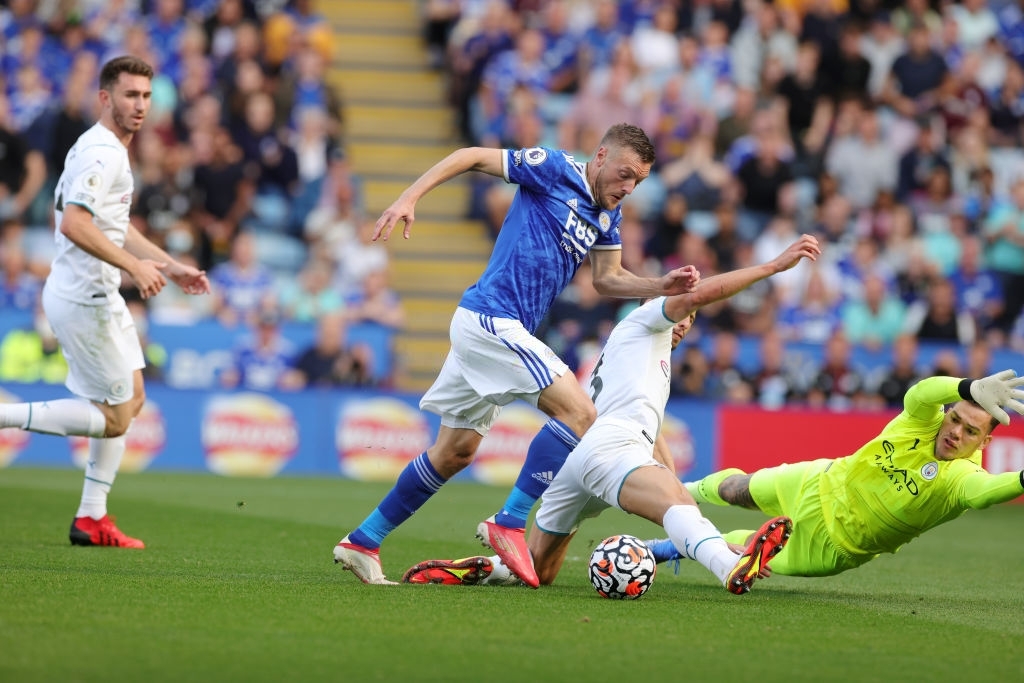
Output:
x=100 y=344
x=591 y=478
x=492 y=362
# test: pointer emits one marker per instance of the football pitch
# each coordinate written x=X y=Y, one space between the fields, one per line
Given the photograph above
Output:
x=237 y=584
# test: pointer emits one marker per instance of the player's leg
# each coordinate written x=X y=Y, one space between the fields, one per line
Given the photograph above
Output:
x=571 y=414
x=520 y=366
x=707 y=490
x=548 y=551
x=359 y=551
x=653 y=492
x=105 y=362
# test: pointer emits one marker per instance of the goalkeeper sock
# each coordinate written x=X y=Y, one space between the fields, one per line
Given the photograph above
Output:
x=706 y=489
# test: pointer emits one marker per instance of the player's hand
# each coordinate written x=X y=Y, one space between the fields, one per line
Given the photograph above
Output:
x=190 y=279
x=401 y=210
x=998 y=391
x=680 y=281
x=806 y=247
x=148 y=278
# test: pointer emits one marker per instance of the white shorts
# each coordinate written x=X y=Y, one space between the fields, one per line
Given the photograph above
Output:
x=492 y=362
x=101 y=347
x=592 y=476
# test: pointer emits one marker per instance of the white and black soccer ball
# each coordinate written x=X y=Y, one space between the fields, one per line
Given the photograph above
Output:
x=622 y=567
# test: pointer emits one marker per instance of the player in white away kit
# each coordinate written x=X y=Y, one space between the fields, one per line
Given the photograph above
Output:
x=621 y=460
x=95 y=242
x=563 y=211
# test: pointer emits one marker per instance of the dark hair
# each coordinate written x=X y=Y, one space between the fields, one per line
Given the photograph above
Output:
x=125 y=64
x=632 y=137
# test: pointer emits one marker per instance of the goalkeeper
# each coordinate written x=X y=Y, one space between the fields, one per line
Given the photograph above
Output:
x=922 y=470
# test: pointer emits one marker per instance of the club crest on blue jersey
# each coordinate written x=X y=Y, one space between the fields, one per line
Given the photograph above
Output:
x=605 y=221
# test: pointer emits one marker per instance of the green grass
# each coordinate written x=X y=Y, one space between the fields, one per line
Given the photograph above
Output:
x=237 y=583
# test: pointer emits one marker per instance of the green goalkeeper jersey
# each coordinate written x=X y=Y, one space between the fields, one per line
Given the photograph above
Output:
x=894 y=488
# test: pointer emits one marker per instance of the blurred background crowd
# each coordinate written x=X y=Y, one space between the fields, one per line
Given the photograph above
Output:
x=891 y=130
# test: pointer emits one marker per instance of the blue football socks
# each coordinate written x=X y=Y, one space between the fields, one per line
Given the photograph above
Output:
x=547 y=452
x=416 y=484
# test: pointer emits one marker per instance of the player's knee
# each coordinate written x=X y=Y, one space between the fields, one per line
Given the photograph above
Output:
x=116 y=427
x=581 y=418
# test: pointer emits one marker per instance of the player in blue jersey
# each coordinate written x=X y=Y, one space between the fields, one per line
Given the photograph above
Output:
x=563 y=211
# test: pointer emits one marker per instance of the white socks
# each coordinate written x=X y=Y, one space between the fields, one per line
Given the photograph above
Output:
x=697 y=538
x=64 y=417
x=104 y=459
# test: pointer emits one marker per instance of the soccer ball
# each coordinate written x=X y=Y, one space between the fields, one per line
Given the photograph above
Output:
x=622 y=567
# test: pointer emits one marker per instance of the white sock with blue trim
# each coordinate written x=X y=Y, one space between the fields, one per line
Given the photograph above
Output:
x=697 y=538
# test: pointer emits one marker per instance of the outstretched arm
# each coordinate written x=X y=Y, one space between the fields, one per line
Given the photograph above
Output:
x=611 y=279
x=725 y=285
x=482 y=159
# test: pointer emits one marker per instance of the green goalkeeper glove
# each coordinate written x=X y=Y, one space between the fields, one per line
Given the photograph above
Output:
x=998 y=391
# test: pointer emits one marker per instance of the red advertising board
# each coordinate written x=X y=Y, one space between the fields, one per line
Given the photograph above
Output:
x=751 y=438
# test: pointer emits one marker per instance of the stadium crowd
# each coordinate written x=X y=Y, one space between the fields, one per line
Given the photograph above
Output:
x=891 y=130
x=240 y=170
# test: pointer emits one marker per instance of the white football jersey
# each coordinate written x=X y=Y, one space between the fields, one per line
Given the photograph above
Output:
x=630 y=381
x=97 y=176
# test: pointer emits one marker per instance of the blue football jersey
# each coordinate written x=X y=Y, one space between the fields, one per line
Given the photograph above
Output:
x=552 y=225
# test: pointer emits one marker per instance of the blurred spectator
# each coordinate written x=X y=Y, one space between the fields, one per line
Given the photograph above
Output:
x=440 y=18
x=19 y=287
x=876 y=319
x=801 y=92
x=220 y=28
x=330 y=361
x=1006 y=108
x=314 y=149
x=479 y=40
x=979 y=359
x=913 y=85
x=863 y=162
x=940 y=220
x=946 y=362
x=773 y=381
x=601 y=38
x=690 y=374
x=654 y=45
x=357 y=258
x=725 y=241
x=759 y=38
x=32 y=354
x=726 y=381
x=311 y=295
x=22 y=170
x=917 y=13
x=976 y=23
x=376 y=302
x=333 y=221
x=607 y=97
x=938 y=318
x=223 y=193
x=241 y=285
x=845 y=71
x=838 y=383
x=917 y=164
x=271 y=163
x=522 y=68
x=814 y=316
x=263 y=358
x=1004 y=251
x=764 y=179
x=902 y=373
x=699 y=178
x=881 y=44
x=978 y=290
